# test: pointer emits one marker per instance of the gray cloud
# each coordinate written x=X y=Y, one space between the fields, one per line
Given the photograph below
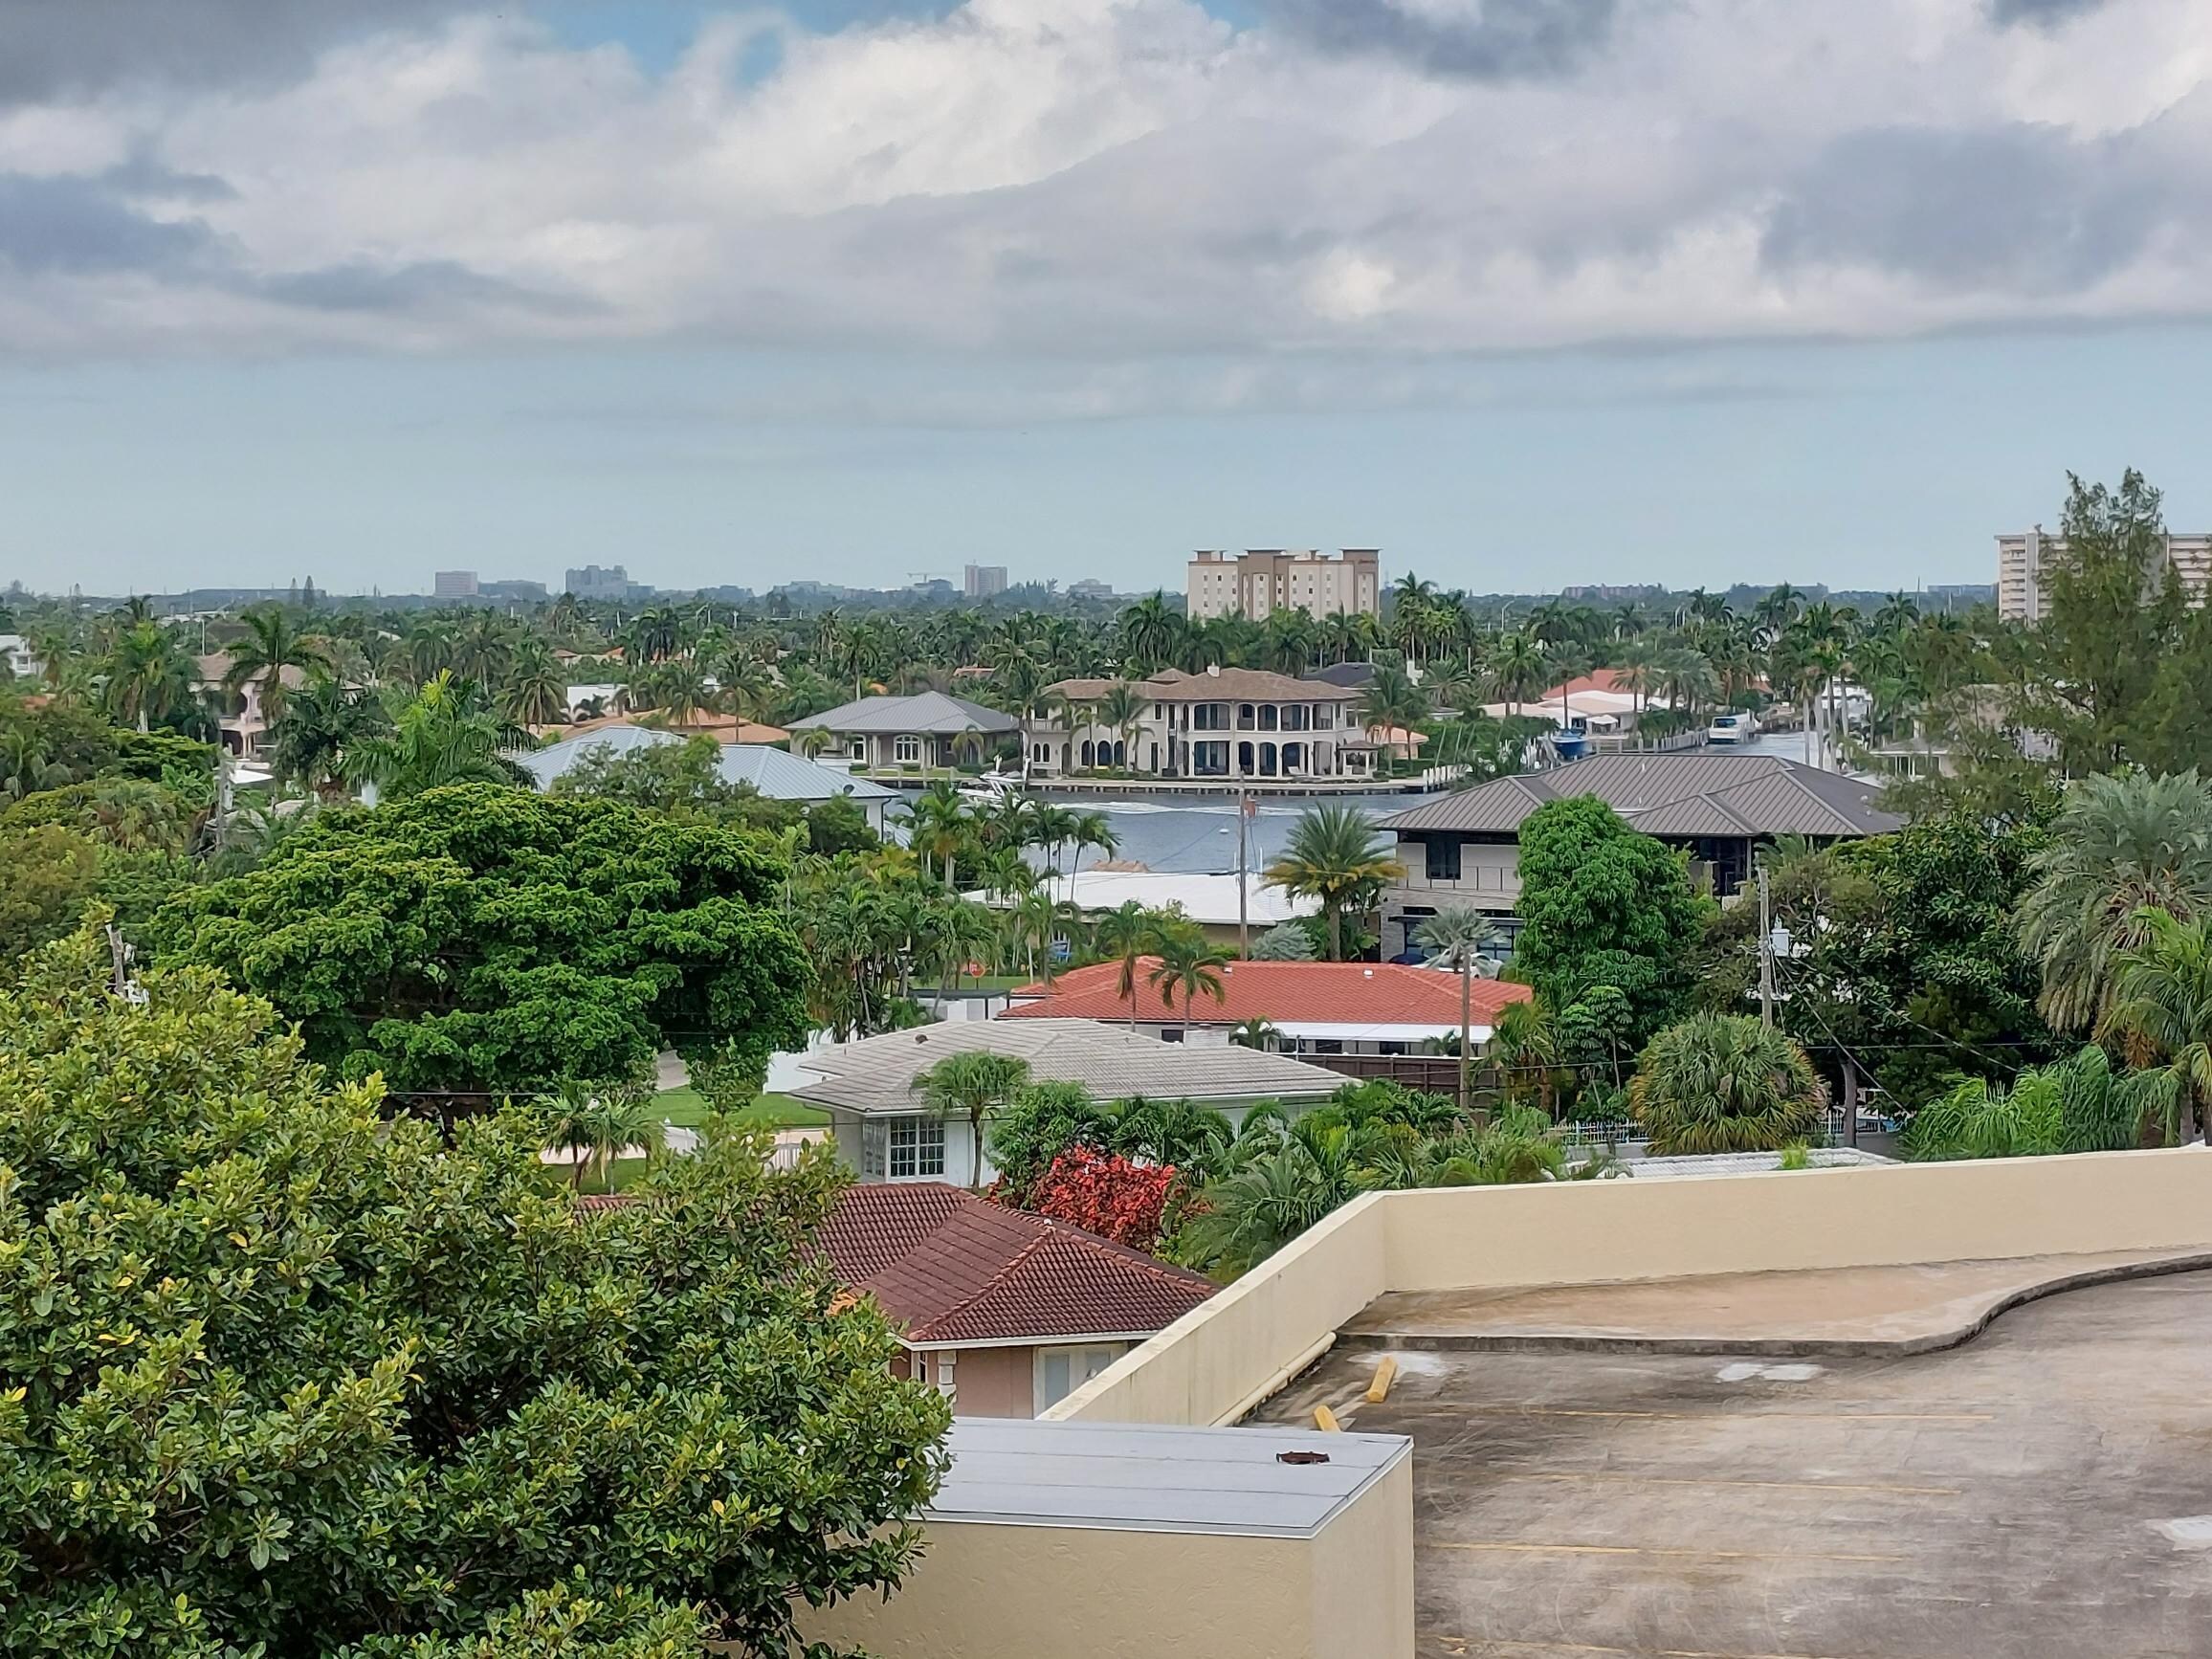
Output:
x=426 y=285
x=2025 y=208
x=1488 y=40
x=143 y=177
x=52 y=47
x=77 y=227
x=2041 y=13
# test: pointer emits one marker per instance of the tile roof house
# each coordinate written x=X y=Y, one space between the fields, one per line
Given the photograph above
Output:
x=927 y=729
x=1315 y=1007
x=1007 y=1312
x=1462 y=849
x=884 y=1131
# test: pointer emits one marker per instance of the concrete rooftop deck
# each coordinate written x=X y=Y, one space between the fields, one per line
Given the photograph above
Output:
x=1840 y=1311
x=2043 y=1492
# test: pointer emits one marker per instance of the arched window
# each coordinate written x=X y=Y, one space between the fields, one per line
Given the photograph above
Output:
x=1086 y=752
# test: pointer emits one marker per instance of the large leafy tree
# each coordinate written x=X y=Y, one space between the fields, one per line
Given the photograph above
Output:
x=482 y=940
x=1335 y=855
x=1604 y=905
x=1725 y=1083
x=280 y=1378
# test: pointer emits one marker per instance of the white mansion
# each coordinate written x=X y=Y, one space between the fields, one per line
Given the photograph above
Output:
x=1227 y=723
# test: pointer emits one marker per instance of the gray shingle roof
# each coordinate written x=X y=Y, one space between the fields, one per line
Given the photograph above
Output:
x=878 y=1074
x=777 y=774
x=1677 y=795
x=929 y=712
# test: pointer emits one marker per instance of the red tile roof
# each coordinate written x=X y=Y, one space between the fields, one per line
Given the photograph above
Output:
x=951 y=1267
x=1602 y=680
x=1282 y=992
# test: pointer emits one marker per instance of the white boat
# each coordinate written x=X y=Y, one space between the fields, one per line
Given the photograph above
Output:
x=1732 y=728
x=991 y=787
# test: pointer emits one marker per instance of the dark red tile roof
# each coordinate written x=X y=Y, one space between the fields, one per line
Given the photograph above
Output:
x=1283 y=993
x=951 y=1267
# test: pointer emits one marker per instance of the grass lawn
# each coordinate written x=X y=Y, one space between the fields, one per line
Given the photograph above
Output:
x=685 y=1109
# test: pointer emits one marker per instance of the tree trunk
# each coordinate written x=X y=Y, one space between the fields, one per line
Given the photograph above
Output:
x=1336 y=934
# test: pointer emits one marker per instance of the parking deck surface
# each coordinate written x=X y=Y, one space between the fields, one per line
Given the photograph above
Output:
x=2043 y=1492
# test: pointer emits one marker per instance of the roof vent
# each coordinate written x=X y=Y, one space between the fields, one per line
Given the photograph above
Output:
x=1302 y=1457
x=1214 y=669
x=1368 y=973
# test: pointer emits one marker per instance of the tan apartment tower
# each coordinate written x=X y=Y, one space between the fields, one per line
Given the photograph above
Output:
x=2020 y=559
x=1262 y=580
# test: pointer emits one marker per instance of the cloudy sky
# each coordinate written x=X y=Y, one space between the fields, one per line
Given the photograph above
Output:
x=1525 y=292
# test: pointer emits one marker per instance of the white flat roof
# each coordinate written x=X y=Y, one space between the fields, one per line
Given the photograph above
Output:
x=1148 y=1477
x=1341 y=1030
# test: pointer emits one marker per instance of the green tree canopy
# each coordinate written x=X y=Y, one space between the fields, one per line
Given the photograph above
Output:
x=484 y=940
x=278 y=1377
x=1725 y=1083
x=1603 y=905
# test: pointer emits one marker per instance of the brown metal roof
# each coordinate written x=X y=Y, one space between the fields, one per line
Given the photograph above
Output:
x=1247 y=684
x=1680 y=796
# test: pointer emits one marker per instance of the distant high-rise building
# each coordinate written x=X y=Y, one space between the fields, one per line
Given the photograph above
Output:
x=2020 y=559
x=1263 y=580
x=1090 y=588
x=984 y=580
x=601 y=582
x=453 y=585
x=526 y=592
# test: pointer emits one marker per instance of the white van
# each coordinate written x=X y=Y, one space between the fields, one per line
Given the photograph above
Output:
x=1730 y=728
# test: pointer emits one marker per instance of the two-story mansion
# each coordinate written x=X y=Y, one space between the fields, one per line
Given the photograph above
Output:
x=1228 y=722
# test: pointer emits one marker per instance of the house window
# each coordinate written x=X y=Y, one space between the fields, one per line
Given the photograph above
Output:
x=874 y=1149
x=917 y=1365
x=1061 y=1371
x=1210 y=759
x=906 y=748
x=1296 y=717
x=1324 y=717
x=1209 y=717
x=1269 y=713
x=916 y=1148
x=1443 y=859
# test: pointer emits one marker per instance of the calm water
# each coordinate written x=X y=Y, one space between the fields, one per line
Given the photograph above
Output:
x=1198 y=837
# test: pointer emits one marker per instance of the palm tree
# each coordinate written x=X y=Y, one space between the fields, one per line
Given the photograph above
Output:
x=597 y=1127
x=972 y=1086
x=1093 y=829
x=536 y=691
x=1392 y=700
x=811 y=742
x=1126 y=934
x=1516 y=668
x=1259 y=1034
x=1150 y=632
x=938 y=825
x=1277 y=1192
x=1120 y=711
x=1187 y=962
x=322 y=725
x=2119 y=847
x=149 y=683
x=1336 y=855
x=1725 y=1083
x=1455 y=938
x=445 y=735
x=2161 y=1009
x=271 y=646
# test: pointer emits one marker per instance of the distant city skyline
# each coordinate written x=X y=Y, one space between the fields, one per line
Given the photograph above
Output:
x=1685 y=291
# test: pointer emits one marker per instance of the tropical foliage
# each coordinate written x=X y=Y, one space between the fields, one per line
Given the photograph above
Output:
x=1725 y=1083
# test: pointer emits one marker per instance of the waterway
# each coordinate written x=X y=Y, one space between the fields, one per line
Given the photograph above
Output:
x=1198 y=837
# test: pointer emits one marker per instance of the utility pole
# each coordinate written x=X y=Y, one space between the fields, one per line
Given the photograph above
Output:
x=1765 y=954
x=1244 y=805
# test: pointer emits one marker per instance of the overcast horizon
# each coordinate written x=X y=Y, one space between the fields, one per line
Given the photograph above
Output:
x=1526 y=293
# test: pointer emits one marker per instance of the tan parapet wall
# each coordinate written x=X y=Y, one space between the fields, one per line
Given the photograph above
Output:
x=1216 y=1361
x=983 y=1591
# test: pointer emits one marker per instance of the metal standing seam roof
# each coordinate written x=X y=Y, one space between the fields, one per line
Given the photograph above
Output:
x=1150 y=1477
x=876 y=1074
x=931 y=713
x=1679 y=795
x=777 y=774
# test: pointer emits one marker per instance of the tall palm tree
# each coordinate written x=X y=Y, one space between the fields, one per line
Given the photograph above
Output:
x=1093 y=829
x=1391 y=700
x=271 y=646
x=972 y=1086
x=1725 y=1083
x=1516 y=668
x=1150 y=632
x=1120 y=711
x=1125 y=936
x=149 y=683
x=536 y=690
x=2121 y=846
x=1189 y=964
x=1336 y=855
x=1453 y=937
x=445 y=735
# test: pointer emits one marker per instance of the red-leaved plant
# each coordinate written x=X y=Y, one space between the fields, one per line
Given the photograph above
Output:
x=1106 y=1194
